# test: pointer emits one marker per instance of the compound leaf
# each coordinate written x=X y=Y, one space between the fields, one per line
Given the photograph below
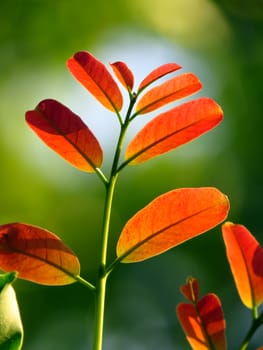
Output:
x=65 y=133
x=169 y=220
x=37 y=255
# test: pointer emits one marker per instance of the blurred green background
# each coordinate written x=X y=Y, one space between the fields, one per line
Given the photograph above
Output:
x=221 y=41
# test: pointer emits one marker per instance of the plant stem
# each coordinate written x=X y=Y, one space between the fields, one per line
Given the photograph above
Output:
x=103 y=272
x=101 y=175
x=255 y=324
x=85 y=283
x=99 y=312
x=102 y=277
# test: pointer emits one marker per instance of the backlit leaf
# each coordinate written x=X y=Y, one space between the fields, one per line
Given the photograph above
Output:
x=65 y=133
x=95 y=77
x=11 y=328
x=174 y=128
x=37 y=255
x=169 y=220
x=157 y=74
x=245 y=256
x=124 y=74
x=191 y=289
x=203 y=323
x=169 y=91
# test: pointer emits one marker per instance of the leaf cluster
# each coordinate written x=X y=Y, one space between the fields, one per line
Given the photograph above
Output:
x=38 y=255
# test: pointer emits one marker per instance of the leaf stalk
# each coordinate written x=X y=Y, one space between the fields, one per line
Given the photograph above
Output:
x=255 y=324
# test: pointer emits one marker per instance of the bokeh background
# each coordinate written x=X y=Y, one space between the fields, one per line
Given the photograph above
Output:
x=221 y=41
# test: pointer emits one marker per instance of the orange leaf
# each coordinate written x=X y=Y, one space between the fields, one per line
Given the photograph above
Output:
x=65 y=133
x=158 y=73
x=169 y=220
x=37 y=255
x=245 y=256
x=169 y=91
x=174 y=128
x=124 y=74
x=94 y=76
x=203 y=323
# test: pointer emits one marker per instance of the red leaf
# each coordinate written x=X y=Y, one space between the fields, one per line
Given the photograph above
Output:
x=169 y=220
x=37 y=255
x=65 y=133
x=174 y=128
x=171 y=90
x=124 y=74
x=203 y=323
x=191 y=289
x=245 y=256
x=158 y=73
x=94 y=76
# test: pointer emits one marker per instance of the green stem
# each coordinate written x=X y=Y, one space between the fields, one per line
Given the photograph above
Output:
x=85 y=283
x=99 y=312
x=101 y=175
x=255 y=312
x=102 y=277
x=255 y=324
x=103 y=273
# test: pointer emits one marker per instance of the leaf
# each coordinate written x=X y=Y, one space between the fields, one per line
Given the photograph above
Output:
x=174 y=128
x=65 y=133
x=124 y=74
x=169 y=91
x=11 y=328
x=37 y=255
x=245 y=256
x=169 y=220
x=203 y=323
x=94 y=76
x=157 y=74
x=191 y=289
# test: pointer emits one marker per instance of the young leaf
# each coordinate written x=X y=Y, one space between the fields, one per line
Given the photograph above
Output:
x=11 y=328
x=94 y=76
x=174 y=128
x=191 y=289
x=203 y=322
x=124 y=74
x=65 y=133
x=245 y=256
x=169 y=91
x=169 y=220
x=37 y=255
x=157 y=74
